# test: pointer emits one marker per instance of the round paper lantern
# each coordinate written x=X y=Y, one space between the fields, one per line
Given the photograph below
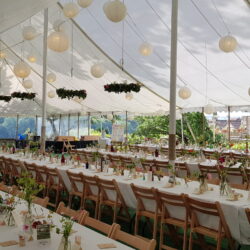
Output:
x=184 y=92
x=58 y=41
x=58 y=25
x=29 y=33
x=51 y=94
x=228 y=43
x=51 y=77
x=21 y=69
x=77 y=99
x=110 y=117
x=2 y=54
x=129 y=96
x=28 y=84
x=209 y=109
x=31 y=58
x=70 y=10
x=97 y=70
x=84 y=3
x=146 y=49
x=115 y=10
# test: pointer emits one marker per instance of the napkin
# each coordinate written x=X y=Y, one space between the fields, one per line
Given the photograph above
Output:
x=106 y=245
x=8 y=243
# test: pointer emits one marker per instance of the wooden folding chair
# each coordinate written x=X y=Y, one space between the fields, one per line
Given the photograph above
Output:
x=17 y=169
x=213 y=210
x=126 y=161
x=248 y=214
x=2 y=169
x=111 y=196
x=41 y=177
x=205 y=169
x=146 y=164
x=247 y=175
x=235 y=175
x=77 y=187
x=170 y=202
x=31 y=168
x=8 y=189
x=8 y=171
x=91 y=191
x=179 y=152
x=132 y=240
x=164 y=151
x=133 y=148
x=142 y=196
x=73 y=214
x=182 y=167
x=41 y=201
x=161 y=165
x=209 y=154
x=115 y=160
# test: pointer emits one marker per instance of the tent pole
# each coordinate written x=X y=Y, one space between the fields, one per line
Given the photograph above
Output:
x=88 y=123
x=203 y=125
x=60 y=118
x=101 y=124
x=126 y=125
x=78 y=125
x=45 y=34
x=68 y=123
x=17 y=125
x=182 y=132
x=36 y=125
x=173 y=69
x=229 y=124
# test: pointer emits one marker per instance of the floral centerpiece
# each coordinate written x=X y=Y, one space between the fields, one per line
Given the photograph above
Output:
x=7 y=205
x=122 y=87
x=202 y=178
x=65 y=93
x=5 y=98
x=23 y=95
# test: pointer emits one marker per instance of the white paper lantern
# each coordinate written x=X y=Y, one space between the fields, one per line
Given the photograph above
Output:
x=2 y=54
x=70 y=10
x=84 y=3
x=97 y=70
x=58 y=25
x=28 y=83
x=209 y=109
x=31 y=58
x=22 y=69
x=184 y=92
x=77 y=99
x=115 y=10
x=228 y=44
x=29 y=33
x=51 y=77
x=58 y=41
x=129 y=96
x=110 y=117
x=51 y=94
x=146 y=49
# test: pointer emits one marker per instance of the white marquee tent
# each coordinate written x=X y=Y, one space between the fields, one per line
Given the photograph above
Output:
x=213 y=76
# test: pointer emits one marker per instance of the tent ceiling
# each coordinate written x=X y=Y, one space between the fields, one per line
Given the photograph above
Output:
x=200 y=26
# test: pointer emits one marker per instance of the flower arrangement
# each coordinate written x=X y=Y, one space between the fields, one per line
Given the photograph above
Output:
x=192 y=152
x=7 y=205
x=122 y=87
x=5 y=98
x=23 y=95
x=64 y=93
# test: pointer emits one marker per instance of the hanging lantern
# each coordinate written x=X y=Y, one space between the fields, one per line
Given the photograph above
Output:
x=97 y=70
x=51 y=94
x=129 y=96
x=184 y=92
x=2 y=54
x=51 y=77
x=29 y=33
x=21 y=69
x=228 y=44
x=27 y=84
x=115 y=10
x=209 y=109
x=110 y=117
x=146 y=49
x=70 y=10
x=58 y=41
x=58 y=25
x=84 y=3
x=77 y=99
x=31 y=58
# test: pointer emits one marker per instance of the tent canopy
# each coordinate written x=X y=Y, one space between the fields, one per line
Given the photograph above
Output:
x=213 y=76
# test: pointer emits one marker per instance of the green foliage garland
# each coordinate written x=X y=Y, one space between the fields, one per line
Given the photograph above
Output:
x=64 y=93
x=122 y=87
x=5 y=98
x=23 y=95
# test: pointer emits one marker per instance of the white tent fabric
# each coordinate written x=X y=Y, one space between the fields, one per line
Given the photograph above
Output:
x=201 y=24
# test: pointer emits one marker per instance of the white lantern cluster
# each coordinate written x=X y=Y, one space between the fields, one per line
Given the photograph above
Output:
x=115 y=10
x=184 y=92
x=146 y=49
x=84 y=3
x=97 y=70
x=22 y=69
x=31 y=58
x=51 y=77
x=209 y=109
x=110 y=117
x=29 y=33
x=2 y=54
x=129 y=96
x=228 y=44
x=27 y=84
x=51 y=94
x=58 y=41
x=70 y=10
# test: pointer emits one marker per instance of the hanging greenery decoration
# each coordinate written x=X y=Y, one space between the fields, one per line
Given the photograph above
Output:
x=64 y=93
x=23 y=95
x=122 y=87
x=5 y=98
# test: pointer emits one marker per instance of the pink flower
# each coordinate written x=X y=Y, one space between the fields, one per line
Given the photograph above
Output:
x=25 y=227
x=222 y=159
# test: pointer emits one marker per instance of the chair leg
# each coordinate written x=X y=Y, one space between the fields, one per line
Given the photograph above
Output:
x=96 y=208
x=100 y=211
x=190 y=240
x=57 y=197
x=70 y=200
x=185 y=238
x=155 y=227
x=218 y=243
x=136 y=223
x=115 y=214
x=161 y=236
